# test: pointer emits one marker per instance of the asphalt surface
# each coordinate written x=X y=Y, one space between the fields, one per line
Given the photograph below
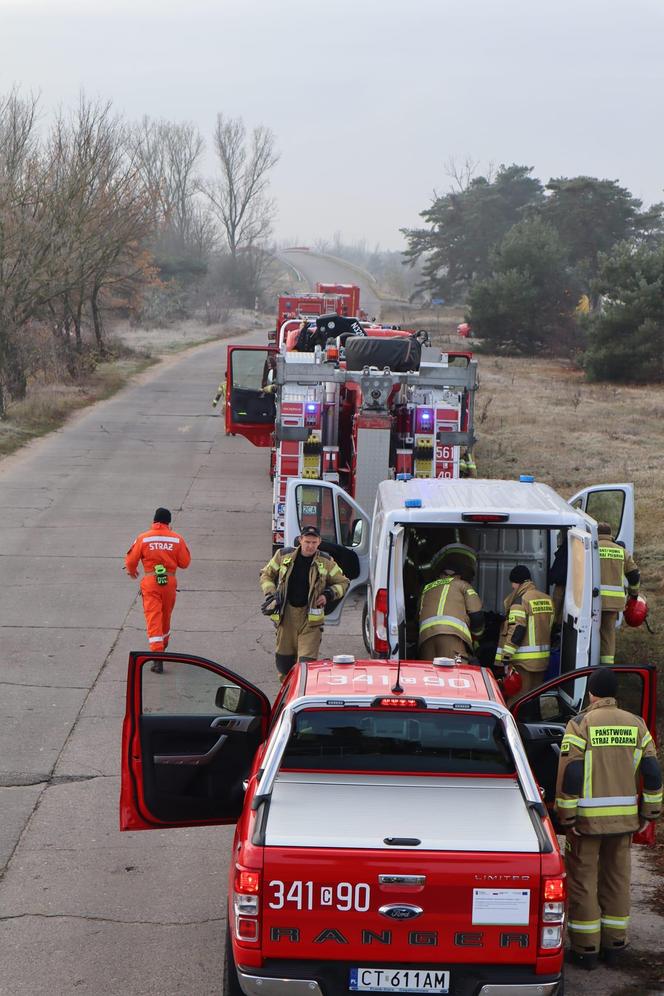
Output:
x=313 y=267
x=85 y=909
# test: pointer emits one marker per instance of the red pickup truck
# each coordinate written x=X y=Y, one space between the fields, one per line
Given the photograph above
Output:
x=393 y=834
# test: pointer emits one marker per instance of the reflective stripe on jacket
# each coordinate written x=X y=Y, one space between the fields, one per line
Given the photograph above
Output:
x=614 y=562
x=525 y=636
x=446 y=606
x=324 y=573
x=600 y=771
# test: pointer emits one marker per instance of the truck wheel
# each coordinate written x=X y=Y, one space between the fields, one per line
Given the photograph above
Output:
x=230 y=984
x=366 y=635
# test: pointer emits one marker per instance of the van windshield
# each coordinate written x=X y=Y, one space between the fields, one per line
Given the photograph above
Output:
x=418 y=742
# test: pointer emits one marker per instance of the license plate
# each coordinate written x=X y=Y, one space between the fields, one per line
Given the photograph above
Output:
x=399 y=980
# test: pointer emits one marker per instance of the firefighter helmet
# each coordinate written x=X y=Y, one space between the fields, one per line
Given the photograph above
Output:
x=512 y=683
x=455 y=557
x=636 y=611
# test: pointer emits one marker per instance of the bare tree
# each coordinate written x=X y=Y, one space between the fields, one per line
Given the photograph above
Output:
x=239 y=193
x=168 y=155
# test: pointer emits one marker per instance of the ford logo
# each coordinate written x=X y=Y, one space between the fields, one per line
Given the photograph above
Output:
x=401 y=911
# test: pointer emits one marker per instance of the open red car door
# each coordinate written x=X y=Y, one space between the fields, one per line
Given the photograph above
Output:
x=250 y=408
x=189 y=738
x=543 y=714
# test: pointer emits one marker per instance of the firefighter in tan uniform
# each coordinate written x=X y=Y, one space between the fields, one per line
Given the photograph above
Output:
x=467 y=465
x=298 y=582
x=525 y=636
x=451 y=617
x=605 y=755
x=615 y=564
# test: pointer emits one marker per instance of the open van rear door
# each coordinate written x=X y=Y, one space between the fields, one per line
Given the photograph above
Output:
x=612 y=503
x=578 y=605
x=250 y=409
x=396 y=599
x=343 y=525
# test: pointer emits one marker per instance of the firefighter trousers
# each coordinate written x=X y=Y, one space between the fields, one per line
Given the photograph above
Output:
x=529 y=681
x=444 y=645
x=158 y=602
x=607 y=638
x=296 y=637
x=598 y=879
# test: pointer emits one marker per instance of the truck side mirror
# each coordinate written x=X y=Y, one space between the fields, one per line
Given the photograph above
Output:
x=232 y=698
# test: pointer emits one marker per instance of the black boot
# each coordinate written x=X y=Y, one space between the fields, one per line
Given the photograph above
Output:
x=612 y=956
x=588 y=961
x=283 y=662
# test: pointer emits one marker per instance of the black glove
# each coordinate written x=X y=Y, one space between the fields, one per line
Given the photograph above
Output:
x=271 y=604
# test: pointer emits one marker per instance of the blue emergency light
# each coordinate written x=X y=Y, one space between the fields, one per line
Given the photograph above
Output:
x=526 y=479
x=413 y=503
x=404 y=477
x=312 y=406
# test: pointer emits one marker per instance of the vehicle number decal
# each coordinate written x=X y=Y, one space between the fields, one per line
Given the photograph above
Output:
x=344 y=896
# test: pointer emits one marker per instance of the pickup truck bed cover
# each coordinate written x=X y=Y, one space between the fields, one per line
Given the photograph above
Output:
x=359 y=811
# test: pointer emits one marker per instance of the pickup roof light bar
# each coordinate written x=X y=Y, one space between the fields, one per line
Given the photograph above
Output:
x=383 y=702
x=482 y=517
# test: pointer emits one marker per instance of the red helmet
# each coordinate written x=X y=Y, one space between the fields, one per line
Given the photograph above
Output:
x=636 y=611
x=512 y=683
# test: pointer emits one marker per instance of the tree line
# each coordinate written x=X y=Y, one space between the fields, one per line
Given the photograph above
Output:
x=96 y=210
x=574 y=267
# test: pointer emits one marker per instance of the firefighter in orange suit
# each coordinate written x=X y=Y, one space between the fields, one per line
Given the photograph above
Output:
x=609 y=785
x=161 y=551
x=615 y=563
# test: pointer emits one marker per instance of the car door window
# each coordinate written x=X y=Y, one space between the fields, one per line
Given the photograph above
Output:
x=315 y=507
x=351 y=526
x=607 y=506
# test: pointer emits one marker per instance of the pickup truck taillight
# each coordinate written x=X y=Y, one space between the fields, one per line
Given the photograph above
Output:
x=554 y=893
x=380 y=622
x=246 y=903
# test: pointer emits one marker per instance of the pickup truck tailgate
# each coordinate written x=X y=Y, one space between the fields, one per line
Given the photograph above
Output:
x=353 y=868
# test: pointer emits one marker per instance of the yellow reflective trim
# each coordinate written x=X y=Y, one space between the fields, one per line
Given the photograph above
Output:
x=571 y=738
x=638 y=754
x=653 y=797
x=588 y=774
x=541 y=655
x=585 y=926
x=567 y=803
x=646 y=740
x=607 y=659
x=613 y=736
x=591 y=813
x=617 y=922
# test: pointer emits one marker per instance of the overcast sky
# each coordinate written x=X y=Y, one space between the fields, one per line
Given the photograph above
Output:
x=369 y=98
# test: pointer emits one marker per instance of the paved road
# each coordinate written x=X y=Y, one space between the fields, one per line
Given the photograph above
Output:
x=84 y=909
x=315 y=267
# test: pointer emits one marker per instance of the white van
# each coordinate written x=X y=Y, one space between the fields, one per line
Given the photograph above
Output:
x=506 y=522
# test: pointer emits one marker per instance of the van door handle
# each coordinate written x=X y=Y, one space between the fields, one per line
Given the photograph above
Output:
x=197 y=760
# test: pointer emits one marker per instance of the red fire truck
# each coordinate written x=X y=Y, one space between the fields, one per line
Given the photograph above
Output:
x=393 y=832
x=365 y=404
x=339 y=299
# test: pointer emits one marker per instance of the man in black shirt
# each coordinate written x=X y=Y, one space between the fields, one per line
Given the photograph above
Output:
x=298 y=583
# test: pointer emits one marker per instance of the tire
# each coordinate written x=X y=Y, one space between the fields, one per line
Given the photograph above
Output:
x=230 y=985
x=366 y=636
